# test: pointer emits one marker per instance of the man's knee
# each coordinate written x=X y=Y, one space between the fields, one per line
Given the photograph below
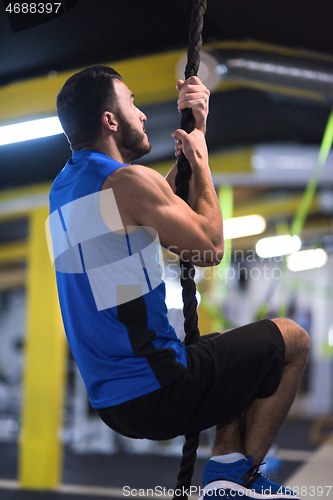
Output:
x=296 y=339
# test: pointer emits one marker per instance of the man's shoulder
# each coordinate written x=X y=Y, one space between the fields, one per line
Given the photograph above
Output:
x=138 y=171
x=137 y=176
x=136 y=189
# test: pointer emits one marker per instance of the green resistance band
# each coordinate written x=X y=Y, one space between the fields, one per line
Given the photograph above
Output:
x=304 y=207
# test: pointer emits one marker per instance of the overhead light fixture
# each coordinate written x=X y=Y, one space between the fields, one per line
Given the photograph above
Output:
x=282 y=161
x=173 y=294
x=34 y=129
x=307 y=259
x=208 y=71
x=280 y=70
x=276 y=246
x=330 y=336
x=238 y=227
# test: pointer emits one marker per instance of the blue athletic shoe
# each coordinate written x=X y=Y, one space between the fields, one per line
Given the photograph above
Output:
x=240 y=480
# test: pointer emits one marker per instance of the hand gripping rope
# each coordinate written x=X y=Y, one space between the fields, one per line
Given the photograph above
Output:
x=187 y=270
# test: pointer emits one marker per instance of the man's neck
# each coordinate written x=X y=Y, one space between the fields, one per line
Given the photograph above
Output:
x=106 y=148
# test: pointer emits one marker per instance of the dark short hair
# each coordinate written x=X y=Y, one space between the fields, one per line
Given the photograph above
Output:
x=82 y=101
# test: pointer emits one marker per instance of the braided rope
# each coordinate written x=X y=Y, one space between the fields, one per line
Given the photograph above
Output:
x=187 y=271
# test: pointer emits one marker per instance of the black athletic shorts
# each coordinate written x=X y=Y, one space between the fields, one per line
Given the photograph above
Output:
x=225 y=372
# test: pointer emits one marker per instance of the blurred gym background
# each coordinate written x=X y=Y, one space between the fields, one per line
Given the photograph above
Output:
x=269 y=66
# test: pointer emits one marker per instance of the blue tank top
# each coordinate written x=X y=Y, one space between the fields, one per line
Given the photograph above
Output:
x=110 y=287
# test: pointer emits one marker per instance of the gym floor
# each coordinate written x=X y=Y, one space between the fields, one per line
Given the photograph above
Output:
x=98 y=476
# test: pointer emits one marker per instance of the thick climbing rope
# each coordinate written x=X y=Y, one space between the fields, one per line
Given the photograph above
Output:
x=187 y=271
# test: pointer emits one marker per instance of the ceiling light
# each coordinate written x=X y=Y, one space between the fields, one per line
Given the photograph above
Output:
x=26 y=131
x=173 y=294
x=239 y=227
x=208 y=71
x=325 y=199
x=221 y=69
x=330 y=336
x=278 y=245
x=281 y=70
x=307 y=259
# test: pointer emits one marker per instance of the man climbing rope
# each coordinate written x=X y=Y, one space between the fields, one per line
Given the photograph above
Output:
x=107 y=218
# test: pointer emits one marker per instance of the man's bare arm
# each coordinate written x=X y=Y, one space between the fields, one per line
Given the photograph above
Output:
x=193 y=95
x=145 y=198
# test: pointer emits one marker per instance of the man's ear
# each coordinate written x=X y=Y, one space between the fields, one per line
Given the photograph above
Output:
x=109 y=121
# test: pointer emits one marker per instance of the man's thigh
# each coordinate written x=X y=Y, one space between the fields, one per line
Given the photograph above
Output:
x=225 y=372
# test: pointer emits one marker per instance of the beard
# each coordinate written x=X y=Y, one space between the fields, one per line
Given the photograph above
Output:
x=132 y=143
